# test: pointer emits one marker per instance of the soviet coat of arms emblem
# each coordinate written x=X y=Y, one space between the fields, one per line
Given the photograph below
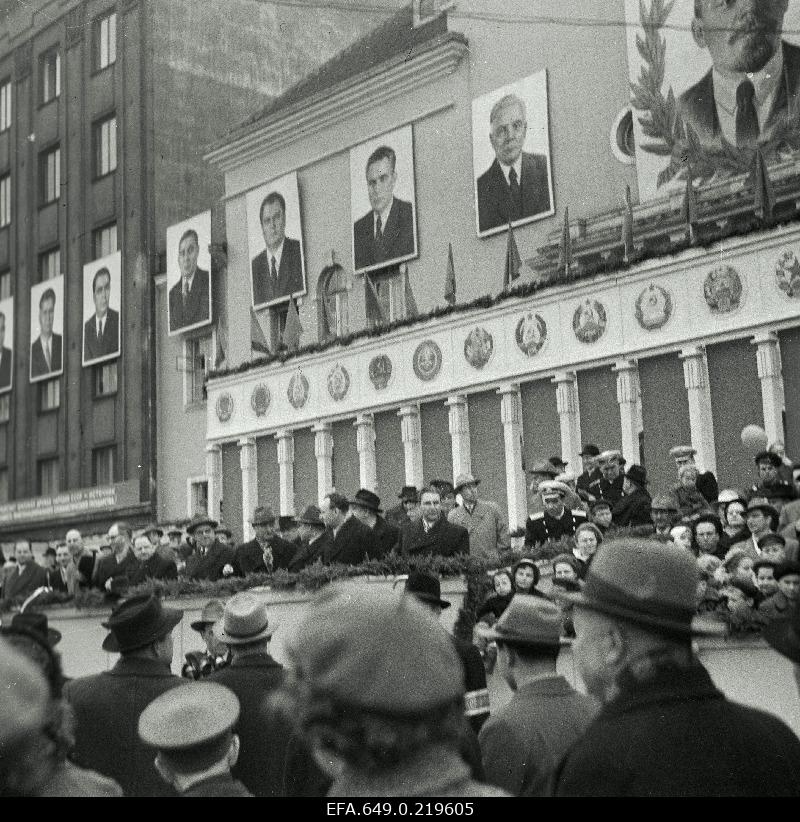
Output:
x=338 y=382
x=427 y=360
x=478 y=347
x=589 y=321
x=260 y=399
x=723 y=290
x=297 y=392
x=653 y=307
x=531 y=334
x=787 y=272
x=224 y=407
x=380 y=371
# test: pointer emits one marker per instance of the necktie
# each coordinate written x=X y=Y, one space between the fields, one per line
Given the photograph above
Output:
x=185 y=288
x=380 y=252
x=268 y=558
x=100 y=328
x=516 y=194
x=47 y=356
x=273 y=270
x=747 y=129
x=378 y=228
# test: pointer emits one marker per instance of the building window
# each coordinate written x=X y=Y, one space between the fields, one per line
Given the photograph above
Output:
x=5 y=407
x=198 y=497
x=5 y=200
x=105 y=41
x=5 y=284
x=103 y=460
x=50 y=74
x=105 y=240
x=3 y=485
x=332 y=302
x=5 y=105
x=50 y=174
x=49 y=395
x=105 y=146
x=198 y=360
x=105 y=379
x=47 y=477
x=49 y=264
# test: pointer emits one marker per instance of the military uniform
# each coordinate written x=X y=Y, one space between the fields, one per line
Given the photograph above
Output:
x=543 y=526
x=585 y=481
x=611 y=491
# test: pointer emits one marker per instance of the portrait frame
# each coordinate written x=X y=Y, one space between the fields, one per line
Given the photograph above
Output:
x=201 y=225
x=402 y=221
x=7 y=310
x=113 y=264
x=36 y=292
x=287 y=186
x=488 y=180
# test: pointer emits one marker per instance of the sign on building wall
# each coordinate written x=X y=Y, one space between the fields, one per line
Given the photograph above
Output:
x=47 y=329
x=80 y=501
x=383 y=200
x=189 y=273
x=511 y=155
x=6 y=344
x=275 y=241
x=711 y=81
x=102 y=306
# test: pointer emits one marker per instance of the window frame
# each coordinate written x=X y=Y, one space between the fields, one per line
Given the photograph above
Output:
x=40 y=463
x=110 y=43
x=6 y=104
x=5 y=186
x=45 y=253
x=53 y=150
x=5 y=408
x=43 y=61
x=96 y=232
x=5 y=277
x=98 y=144
x=97 y=371
x=107 y=448
x=44 y=391
x=189 y=398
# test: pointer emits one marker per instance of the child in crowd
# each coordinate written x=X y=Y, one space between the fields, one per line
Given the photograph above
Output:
x=780 y=604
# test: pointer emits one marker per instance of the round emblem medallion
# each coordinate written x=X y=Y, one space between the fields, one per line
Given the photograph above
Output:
x=531 y=334
x=338 y=382
x=653 y=307
x=224 y=407
x=297 y=392
x=723 y=290
x=589 y=321
x=787 y=272
x=427 y=360
x=380 y=371
x=260 y=399
x=478 y=347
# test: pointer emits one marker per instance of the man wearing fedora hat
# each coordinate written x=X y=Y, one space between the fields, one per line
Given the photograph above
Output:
x=267 y=551
x=366 y=506
x=352 y=542
x=663 y=513
x=433 y=534
x=407 y=510
x=486 y=526
x=591 y=472
x=107 y=705
x=770 y=484
x=634 y=507
x=216 y=655
x=210 y=560
x=706 y=481
x=761 y=519
x=315 y=539
x=609 y=486
x=634 y=623
x=556 y=520
x=522 y=742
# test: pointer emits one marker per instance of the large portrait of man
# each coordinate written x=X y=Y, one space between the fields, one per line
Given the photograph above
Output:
x=511 y=155
x=731 y=72
x=6 y=344
x=102 y=299
x=47 y=327
x=382 y=199
x=275 y=240
x=188 y=273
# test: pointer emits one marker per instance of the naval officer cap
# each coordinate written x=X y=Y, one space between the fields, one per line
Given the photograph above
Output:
x=553 y=488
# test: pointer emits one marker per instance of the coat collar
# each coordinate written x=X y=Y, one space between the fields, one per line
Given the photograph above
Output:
x=255 y=661
x=552 y=685
x=140 y=667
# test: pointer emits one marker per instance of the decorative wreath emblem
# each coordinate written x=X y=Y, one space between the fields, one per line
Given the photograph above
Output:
x=589 y=321
x=260 y=399
x=224 y=407
x=531 y=334
x=653 y=307
x=297 y=392
x=338 y=382
x=427 y=360
x=478 y=347
x=787 y=272
x=723 y=290
x=380 y=371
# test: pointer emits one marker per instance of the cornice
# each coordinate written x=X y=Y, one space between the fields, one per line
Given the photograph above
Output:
x=323 y=110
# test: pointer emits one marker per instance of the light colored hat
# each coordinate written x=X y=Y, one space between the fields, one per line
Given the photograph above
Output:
x=244 y=620
x=530 y=621
x=566 y=477
x=611 y=454
x=25 y=695
x=212 y=612
x=464 y=479
x=551 y=487
x=682 y=451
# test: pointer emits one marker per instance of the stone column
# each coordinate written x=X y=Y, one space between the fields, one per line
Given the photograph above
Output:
x=458 y=417
x=516 y=488
x=323 y=451
x=628 y=398
x=769 y=372
x=695 y=377
x=248 y=462
x=285 y=440
x=412 y=444
x=567 y=405
x=214 y=479
x=365 y=444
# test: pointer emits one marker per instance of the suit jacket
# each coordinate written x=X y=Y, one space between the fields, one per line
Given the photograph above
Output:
x=105 y=346
x=122 y=574
x=21 y=584
x=698 y=108
x=632 y=509
x=443 y=539
x=196 y=308
x=707 y=486
x=250 y=556
x=386 y=536
x=57 y=582
x=107 y=708
x=5 y=367
x=157 y=567
x=290 y=274
x=353 y=543
x=39 y=364
x=398 y=236
x=494 y=195
x=210 y=565
x=309 y=553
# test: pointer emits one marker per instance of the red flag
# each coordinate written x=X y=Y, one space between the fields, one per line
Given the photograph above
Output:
x=222 y=344
x=258 y=342
x=627 y=225
x=764 y=191
x=373 y=304
x=450 y=279
x=408 y=295
x=292 y=330
x=689 y=204
x=565 y=246
x=513 y=260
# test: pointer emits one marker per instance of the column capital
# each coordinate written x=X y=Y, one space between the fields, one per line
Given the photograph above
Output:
x=409 y=423
x=627 y=372
x=213 y=448
x=285 y=439
x=456 y=400
x=363 y=420
x=323 y=440
x=694 y=367
x=508 y=388
x=243 y=442
x=621 y=366
x=321 y=427
x=765 y=337
x=510 y=405
x=564 y=376
x=247 y=453
x=692 y=351
x=566 y=394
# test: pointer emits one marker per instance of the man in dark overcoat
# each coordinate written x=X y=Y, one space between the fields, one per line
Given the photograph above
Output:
x=634 y=507
x=432 y=533
x=352 y=542
x=366 y=506
x=120 y=569
x=211 y=559
x=268 y=550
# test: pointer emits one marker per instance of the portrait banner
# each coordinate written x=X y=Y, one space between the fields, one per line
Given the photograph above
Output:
x=189 y=284
x=275 y=242
x=102 y=309
x=47 y=329
x=6 y=344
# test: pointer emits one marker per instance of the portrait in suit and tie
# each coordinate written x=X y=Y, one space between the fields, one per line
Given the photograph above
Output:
x=101 y=306
x=6 y=343
x=188 y=273
x=276 y=250
x=47 y=322
x=384 y=213
x=511 y=155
